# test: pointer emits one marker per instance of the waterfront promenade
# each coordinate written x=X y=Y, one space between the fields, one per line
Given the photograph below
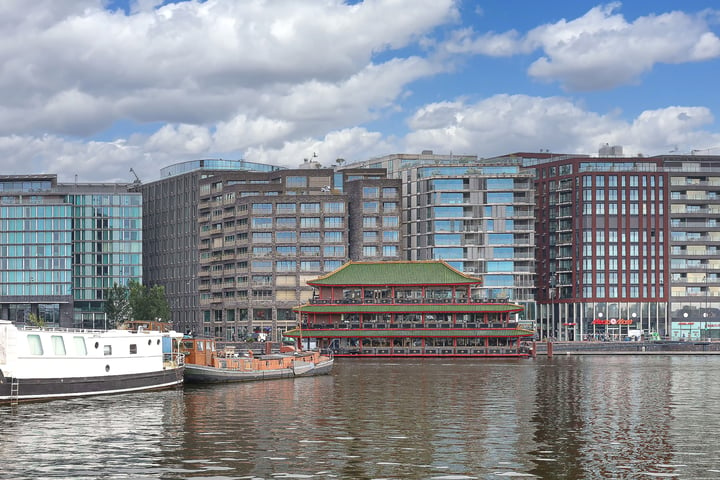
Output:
x=628 y=348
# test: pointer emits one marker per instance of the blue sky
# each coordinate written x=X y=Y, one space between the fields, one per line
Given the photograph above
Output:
x=93 y=88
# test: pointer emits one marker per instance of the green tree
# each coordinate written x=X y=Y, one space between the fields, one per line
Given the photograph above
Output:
x=148 y=303
x=117 y=305
x=35 y=320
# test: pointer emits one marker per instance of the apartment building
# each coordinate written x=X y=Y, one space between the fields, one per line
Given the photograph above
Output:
x=475 y=214
x=262 y=236
x=62 y=245
x=171 y=235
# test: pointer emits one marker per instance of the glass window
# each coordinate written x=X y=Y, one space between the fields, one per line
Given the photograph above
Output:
x=500 y=239
x=262 y=222
x=442 y=253
x=448 y=212
x=310 y=222
x=262 y=237
x=79 y=345
x=309 y=266
x=370 y=251
x=262 y=208
x=286 y=237
x=58 y=345
x=447 y=184
x=286 y=208
x=309 y=236
x=310 y=207
x=390 y=251
x=334 y=207
x=333 y=237
x=371 y=192
x=390 y=236
x=286 y=266
x=370 y=222
x=500 y=183
x=286 y=222
x=500 y=197
x=390 y=221
x=34 y=345
x=331 y=265
x=370 y=207
x=499 y=267
x=334 y=251
x=448 y=239
x=296 y=182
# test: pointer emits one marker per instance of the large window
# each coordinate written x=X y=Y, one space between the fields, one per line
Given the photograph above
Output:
x=447 y=212
x=500 y=239
x=286 y=237
x=448 y=239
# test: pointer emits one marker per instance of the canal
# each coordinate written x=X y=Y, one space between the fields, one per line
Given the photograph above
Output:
x=567 y=417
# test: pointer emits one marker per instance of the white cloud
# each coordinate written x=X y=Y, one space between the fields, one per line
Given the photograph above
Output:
x=506 y=123
x=601 y=49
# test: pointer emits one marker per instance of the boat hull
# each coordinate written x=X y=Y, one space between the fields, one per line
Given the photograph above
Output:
x=41 y=389
x=207 y=374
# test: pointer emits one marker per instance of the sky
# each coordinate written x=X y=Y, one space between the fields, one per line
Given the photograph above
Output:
x=92 y=88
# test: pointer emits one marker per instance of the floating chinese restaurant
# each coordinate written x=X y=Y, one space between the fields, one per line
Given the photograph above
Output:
x=400 y=309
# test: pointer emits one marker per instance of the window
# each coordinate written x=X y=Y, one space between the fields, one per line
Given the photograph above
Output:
x=286 y=222
x=58 y=345
x=390 y=251
x=370 y=237
x=107 y=350
x=263 y=208
x=34 y=345
x=333 y=222
x=262 y=251
x=370 y=222
x=286 y=208
x=371 y=192
x=313 y=266
x=310 y=251
x=389 y=192
x=309 y=237
x=390 y=236
x=133 y=349
x=370 y=207
x=370 y=251
x=333 y=237
x=296 y=182
x=310 y=222
x=310 y=207
x=286 y=266
x=79 y=345
x=390 y=221
x=331 y=265
x=262 y=237
x=334 y=251
x=262 y=222
x=286 y=237
x=334 y=207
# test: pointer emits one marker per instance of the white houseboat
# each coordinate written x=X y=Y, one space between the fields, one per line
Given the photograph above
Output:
x=44 y=364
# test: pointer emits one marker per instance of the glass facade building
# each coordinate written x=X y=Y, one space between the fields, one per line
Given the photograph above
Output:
x=62 y=245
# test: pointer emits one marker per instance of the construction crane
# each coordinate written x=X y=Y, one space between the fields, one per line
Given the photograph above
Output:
x=137 y=179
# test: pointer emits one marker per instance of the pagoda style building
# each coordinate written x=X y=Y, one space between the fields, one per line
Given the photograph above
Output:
x=404 y=308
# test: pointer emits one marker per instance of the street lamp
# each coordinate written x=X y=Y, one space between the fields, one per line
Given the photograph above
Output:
x=685 y=316
x=600 y=316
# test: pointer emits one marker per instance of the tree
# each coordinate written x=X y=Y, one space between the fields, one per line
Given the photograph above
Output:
x=117 y=305
x=36 y=321
x=148 y=303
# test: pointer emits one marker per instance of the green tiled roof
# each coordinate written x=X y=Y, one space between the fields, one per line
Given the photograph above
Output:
x=409 y=332
x=396 y=273
x=409 y=308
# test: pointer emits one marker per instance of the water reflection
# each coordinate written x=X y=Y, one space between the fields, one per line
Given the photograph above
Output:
x=567 y=417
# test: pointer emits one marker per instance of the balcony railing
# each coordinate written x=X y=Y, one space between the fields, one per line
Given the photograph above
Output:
x=320 y=301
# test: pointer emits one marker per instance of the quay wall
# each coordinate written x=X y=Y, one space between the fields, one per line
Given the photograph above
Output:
x=627 y=348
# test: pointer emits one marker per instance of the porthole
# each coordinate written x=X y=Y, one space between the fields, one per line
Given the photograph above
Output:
x=96 y=345
x=107 y=368
x=158 y=341
x=149 y=342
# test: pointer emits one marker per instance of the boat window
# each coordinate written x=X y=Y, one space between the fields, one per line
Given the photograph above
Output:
x=35 y=345
x=200 y=346
x=58 y=345
x=79 y=344
x=133 y=349
x=107 y=349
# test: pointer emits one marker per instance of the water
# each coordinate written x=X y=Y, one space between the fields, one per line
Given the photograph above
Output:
x=567 y=417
